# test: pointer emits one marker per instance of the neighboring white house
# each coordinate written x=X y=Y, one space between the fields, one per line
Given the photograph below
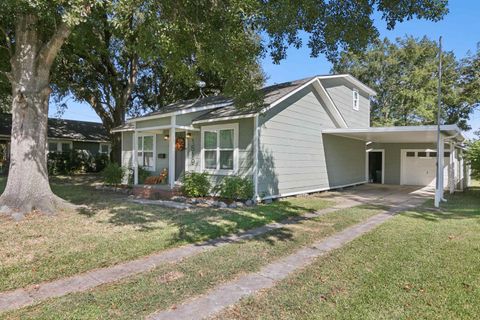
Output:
x=313 y=134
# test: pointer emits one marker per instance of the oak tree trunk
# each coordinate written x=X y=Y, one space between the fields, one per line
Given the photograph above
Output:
x=27 y=186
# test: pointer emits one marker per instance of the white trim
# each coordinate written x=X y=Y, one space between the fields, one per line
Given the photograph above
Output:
x=250 y=115
x=367 y=163
x=59 y=143
x=171 y=152
x=288 y=194
x=109 y=147
x=219 y=127
x=154 y=149
x=189 y=128
x=186 y=153
x=354 y=81
x=256 y=143
x=334 y=111
x=355 y=99
x=288 y=95
x=122 y=130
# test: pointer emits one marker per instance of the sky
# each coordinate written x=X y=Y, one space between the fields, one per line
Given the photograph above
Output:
x=459 y=29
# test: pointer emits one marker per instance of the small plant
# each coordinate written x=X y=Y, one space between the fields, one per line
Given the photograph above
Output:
x=196 y=184
x=113 y=174
x=235 y=188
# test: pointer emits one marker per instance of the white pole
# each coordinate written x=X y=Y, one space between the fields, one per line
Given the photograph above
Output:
x=439 y=180
x=171 y=153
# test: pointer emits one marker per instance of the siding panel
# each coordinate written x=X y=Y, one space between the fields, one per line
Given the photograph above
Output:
x=293 y=154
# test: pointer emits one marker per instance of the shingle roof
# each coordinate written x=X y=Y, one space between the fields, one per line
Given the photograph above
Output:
x=271 y=94
x=63 y=129
x=188 y=104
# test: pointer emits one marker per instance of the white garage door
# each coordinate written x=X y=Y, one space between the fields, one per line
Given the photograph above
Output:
x=418 y=167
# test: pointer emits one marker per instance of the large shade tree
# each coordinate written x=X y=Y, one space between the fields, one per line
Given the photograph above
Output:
x=33 y=33
x=405 y=75
x=113 y=63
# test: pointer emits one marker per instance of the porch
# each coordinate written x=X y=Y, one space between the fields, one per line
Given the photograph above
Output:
x=160 y=147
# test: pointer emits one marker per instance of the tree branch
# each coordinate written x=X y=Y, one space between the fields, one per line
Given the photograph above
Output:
x=50 y=49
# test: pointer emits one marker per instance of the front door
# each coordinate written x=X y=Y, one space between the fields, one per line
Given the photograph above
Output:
x=375 y=166
x=179 y=155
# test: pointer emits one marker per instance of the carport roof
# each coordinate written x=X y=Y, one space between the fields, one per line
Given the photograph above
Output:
x=406 y=134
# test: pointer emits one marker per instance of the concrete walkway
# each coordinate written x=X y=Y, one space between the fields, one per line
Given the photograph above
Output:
x=231 y=292
x=34 y=294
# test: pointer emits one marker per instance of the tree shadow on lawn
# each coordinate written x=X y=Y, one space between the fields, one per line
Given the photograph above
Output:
x=203 y=224
x=461 y=205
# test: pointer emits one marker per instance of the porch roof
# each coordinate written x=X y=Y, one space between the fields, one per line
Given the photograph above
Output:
x=406 y=134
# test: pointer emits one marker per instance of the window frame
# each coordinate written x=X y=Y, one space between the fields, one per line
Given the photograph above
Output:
x=217 y=129
x=100 y=148
x=355 y=100
x=140 y=160
x=59 y=144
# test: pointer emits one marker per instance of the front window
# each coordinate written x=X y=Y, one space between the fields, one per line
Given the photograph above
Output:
x=104 y=148
x=219 y=144
x=145 y=152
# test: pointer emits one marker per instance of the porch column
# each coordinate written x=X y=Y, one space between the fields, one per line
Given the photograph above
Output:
x=439 y=177
x=452 y=168
x=135 y=157
x=171 y=152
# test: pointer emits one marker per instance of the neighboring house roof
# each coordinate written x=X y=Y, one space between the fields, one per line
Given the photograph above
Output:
x=63 y=129
x=223 y=108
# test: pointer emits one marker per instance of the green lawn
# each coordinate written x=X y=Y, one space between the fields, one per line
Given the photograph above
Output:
x=170 y=284
x=41 y=248
x=422 y=264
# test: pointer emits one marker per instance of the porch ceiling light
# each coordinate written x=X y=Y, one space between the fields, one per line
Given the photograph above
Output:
x=189 y=135
x=166 y=137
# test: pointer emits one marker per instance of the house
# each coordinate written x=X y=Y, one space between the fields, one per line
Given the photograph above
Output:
x=313 y=134
x=63 y=136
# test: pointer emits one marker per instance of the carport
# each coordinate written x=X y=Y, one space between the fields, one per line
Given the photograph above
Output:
x=408 y=155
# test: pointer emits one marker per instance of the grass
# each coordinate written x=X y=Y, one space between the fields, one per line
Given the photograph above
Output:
x=41 y=248
x=423 y=264
x=170 y=284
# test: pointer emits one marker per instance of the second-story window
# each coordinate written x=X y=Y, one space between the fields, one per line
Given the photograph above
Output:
x=356 y=100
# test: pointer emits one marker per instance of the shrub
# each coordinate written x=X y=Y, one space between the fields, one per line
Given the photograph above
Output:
x=235 y=188
x=113 y=174
x=196 y=184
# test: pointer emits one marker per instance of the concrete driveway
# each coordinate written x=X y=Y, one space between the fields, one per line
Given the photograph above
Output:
x=382 y=194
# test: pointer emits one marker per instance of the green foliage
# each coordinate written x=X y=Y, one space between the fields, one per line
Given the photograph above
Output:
x=196 y=184
x=75 y=161
x=473 y=158
x=235 y=188
x=113 y=174
x=405 y=75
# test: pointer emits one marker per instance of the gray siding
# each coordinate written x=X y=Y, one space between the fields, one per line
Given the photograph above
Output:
x=127 y=154
x=293 y=155
x=392 y=157
x=341 y=93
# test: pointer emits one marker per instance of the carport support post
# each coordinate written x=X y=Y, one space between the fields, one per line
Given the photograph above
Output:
x=451 y=168
x=171 y=152
x=439 y=178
